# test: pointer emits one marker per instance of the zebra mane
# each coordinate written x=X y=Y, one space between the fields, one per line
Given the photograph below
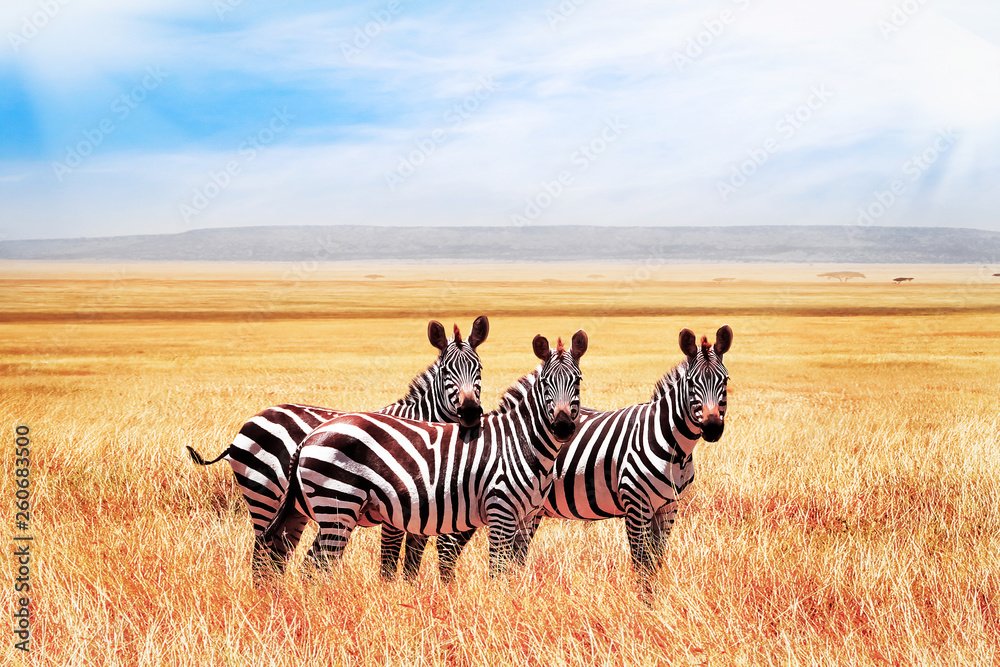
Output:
x=420 y=386
x=516 y=393
x=669 y=380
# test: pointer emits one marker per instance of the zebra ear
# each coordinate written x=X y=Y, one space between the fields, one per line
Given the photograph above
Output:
x=688 y=342
x=436 y=335
x=580 y=342
x=723 y=339
x=541 y=347
x=480 y=330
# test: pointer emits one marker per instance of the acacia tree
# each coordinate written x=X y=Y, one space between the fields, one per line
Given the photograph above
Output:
x=842 y=276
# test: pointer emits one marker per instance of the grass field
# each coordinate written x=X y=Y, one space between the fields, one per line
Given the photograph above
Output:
x=850 y=515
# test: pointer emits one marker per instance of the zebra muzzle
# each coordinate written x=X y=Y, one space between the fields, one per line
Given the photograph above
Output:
x=563 y=426
x=712 y=426
x=469 y=412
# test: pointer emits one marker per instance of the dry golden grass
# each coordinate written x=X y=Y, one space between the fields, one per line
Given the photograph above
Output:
x=848 y=516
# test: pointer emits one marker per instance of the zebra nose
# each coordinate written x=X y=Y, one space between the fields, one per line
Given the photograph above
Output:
x=563 y=424
x=469 y=412
x=563 y=429
x=712 y=427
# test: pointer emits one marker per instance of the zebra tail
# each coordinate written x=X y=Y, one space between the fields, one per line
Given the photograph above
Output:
x=199 y=459
x=292 y=493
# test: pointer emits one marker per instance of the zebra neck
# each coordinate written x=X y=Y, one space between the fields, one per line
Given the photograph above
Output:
x=521 y=407
x=543 y=445
x=676 y=423
x=424 y=400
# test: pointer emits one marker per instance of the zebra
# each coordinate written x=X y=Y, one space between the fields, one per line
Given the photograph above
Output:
x=433 y=479
x=448 y=391
x=634 y=462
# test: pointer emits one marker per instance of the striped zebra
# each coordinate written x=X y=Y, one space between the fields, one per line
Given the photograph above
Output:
x=448 y=391
x=433 y=479
x=634 y=462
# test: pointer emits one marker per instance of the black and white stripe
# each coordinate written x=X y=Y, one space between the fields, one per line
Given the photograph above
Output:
x=448 y=391
x=635 y=462
x=433 y=479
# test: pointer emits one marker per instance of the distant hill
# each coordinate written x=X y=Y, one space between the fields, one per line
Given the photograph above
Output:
x=532 y=244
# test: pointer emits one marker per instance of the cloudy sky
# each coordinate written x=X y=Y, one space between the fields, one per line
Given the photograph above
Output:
x=158 y=116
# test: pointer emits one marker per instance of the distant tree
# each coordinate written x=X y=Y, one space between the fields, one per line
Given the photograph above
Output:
x=842 y=276
x=901 y=280
x=374 y=276
x=723 y=280
x=996 y=274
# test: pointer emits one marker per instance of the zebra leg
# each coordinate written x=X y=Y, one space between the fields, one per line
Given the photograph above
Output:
x=340 y=518
x=663 y=522
x=269 y=557
x=523 y=538
x=638 y=518
x=392 y=542
x=265 y=560
x=415 y=545
x=332 y=540
x=449 y=548
x=501 y=549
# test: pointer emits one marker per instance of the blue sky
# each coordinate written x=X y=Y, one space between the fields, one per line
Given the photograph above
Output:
x=132 y=117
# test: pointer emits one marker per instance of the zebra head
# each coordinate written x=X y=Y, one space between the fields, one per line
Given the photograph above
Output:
x=706 y=381
x=559 y=383
x=459 y=371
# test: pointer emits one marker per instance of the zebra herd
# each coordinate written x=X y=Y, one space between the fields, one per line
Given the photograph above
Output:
x=433 y=464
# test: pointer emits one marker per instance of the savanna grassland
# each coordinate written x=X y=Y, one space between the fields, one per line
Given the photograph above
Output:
x=848 y=516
